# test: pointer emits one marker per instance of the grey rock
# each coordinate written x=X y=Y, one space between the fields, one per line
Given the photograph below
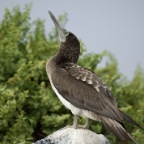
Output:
x=74 y=136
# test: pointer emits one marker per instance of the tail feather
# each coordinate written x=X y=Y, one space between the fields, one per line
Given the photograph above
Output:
x=130 y=120
x=117 y=129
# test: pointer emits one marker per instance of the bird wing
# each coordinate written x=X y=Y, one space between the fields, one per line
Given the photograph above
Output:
x=85 y=90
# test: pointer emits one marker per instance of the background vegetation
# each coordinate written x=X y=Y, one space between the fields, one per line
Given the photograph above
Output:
x=29 y=110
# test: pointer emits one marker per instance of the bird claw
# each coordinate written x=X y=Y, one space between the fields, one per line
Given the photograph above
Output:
x=83 y=126
x=78 y=126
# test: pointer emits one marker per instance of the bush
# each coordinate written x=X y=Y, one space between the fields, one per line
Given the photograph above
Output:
x=29 y=109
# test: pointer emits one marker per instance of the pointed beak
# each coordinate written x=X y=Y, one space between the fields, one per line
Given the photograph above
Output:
x=63 y=33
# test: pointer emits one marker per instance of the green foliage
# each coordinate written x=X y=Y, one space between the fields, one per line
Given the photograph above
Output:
x=29 y=110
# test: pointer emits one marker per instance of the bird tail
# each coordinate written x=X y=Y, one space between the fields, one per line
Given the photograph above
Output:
x=117 y=129
x=130 y=120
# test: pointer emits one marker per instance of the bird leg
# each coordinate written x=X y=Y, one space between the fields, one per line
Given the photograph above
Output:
x=86 y=125
x=75 y=122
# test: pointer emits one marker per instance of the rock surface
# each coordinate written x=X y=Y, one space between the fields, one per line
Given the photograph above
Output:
x=74 y=136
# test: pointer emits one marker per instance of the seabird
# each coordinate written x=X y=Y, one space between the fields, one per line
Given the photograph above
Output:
x=81 y=90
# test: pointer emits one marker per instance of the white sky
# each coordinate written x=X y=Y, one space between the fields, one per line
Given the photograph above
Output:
x=116 y=26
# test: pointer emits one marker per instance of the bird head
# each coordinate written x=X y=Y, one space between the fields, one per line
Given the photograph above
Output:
x=69 y=47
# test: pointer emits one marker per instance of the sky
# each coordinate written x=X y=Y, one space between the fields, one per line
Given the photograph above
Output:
x=113 y=25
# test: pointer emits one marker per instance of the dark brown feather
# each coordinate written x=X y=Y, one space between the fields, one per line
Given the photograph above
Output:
x=85 y=90
x=117 y=129
x=130 y=120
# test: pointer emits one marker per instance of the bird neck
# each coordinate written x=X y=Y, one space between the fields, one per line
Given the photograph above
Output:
x=68 y=52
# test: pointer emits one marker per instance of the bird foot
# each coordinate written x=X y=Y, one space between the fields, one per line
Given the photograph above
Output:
x=78 y=126
x=83 y=126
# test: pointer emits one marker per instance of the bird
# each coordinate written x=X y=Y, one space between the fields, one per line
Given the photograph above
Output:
x=81 y=91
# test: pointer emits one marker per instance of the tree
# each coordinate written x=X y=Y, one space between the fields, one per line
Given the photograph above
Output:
x=29 y=109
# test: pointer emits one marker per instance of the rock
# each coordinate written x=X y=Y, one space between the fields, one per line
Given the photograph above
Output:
x=73 y=136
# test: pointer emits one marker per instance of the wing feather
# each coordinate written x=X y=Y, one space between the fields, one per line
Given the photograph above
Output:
x=86 y=90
